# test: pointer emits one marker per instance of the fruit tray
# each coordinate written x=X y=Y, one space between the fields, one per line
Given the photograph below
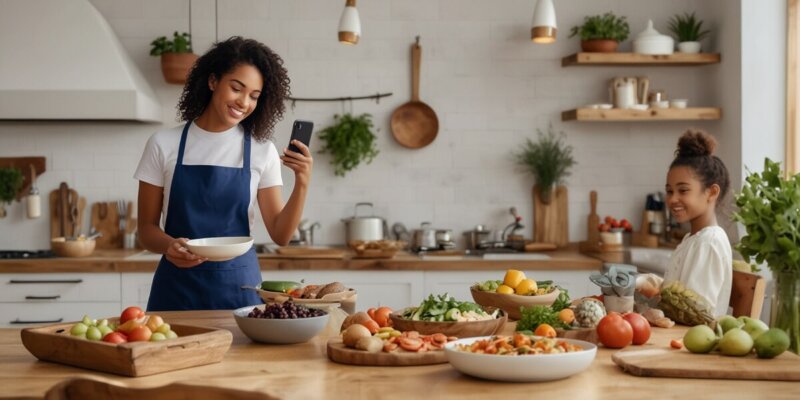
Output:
x=195 y=345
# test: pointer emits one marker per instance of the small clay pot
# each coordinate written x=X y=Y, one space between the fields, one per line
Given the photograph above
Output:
x=599 y=45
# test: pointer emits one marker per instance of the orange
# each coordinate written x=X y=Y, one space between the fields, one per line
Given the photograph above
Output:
x=545 y=330
x=566 y=316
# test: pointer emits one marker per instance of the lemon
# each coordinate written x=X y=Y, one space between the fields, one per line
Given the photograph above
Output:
x=503 y=289
x=513 y=278
x=527 y=286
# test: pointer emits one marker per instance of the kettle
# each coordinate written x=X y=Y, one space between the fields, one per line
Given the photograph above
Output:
x=627 y=91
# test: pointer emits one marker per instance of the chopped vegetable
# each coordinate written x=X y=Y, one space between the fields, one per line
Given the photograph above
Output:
x=445 y=308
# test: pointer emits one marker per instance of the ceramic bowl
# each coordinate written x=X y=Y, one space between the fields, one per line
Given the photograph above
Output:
x=511 y=303
x=679 y=103
x=529 y=368
x=72 y=248
x=278 y=331
x=459 y=329
x=220 y=248
x=640 y=107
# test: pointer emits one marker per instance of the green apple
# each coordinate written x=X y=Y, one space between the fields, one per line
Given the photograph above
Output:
x=728 y=322
x=700 y=339
x=157 y=337
x=93 y=333
x=736 y=342
x=771 y=343
x=754 y=327
x=78 y=329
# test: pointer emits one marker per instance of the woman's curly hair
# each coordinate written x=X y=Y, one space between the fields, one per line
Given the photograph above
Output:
x=221 y=59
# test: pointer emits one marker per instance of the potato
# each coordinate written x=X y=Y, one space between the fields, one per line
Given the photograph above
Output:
x=370 y=344
x=354 y=333
x=356 y=318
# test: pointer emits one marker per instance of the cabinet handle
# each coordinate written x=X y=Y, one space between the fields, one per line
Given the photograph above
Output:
x=25 y=281
x=56 y=297
x=19 y=321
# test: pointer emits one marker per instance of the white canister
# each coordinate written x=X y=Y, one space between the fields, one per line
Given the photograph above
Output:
x=650 y=41
x=33 y=204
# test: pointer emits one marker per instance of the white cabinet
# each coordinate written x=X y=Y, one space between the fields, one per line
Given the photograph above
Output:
x=135 y=288
x=24 y=315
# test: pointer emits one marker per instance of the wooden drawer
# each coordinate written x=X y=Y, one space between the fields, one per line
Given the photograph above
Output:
x=54 y=288
x=23 y=315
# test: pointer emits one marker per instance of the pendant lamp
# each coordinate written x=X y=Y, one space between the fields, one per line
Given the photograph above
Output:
x=543 y=29
x=349 y=24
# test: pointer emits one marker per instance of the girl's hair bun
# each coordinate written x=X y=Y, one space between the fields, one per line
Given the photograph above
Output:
x=695 y=144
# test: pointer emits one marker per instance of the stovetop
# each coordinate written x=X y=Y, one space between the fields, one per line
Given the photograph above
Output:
x=24 y=254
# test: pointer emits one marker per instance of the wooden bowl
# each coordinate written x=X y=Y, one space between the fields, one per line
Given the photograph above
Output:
x=510 y=303
x=462 y=329
x=72 y=248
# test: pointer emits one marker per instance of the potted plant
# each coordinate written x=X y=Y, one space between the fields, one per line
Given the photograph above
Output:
x=602 y=33
x=177 y=58
x=688 y=30
x=549 y=161
x=349 y=141
x=769 y=209
x=10 y=183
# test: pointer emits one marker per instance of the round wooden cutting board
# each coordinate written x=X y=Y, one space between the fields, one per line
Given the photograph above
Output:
x=337 y=352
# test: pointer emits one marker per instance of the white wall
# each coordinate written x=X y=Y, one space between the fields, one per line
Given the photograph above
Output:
x=490 y=86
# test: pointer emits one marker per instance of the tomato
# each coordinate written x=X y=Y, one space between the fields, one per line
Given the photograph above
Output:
x=381 y=316
x=604 y=227
x=115 y=337
x=371 y=325
x=140 y=334
x=545 y=330
x=130 y=313
x=675 y=344
x=641 y=328
x=614 y=332
x=371 y=313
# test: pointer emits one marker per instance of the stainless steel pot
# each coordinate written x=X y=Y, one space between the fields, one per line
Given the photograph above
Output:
x=477 y=237
x=364 y=227
x=425 y=238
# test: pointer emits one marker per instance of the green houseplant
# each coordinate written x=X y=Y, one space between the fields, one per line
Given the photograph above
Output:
x=769 y=209
x=10 y=183
x=349 y=141
x=549 y=161
x=602 y=33
x=688 y=30
x=176 y=55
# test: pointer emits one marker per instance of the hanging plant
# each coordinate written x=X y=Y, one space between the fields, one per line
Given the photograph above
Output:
x=349 y=141
x=10 y=183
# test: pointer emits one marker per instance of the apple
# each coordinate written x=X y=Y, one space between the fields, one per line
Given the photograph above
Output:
x=754 y=327
x=129 y=326
x=154 y=321
x=115 y=337
x=130 y=313
x=140 y=334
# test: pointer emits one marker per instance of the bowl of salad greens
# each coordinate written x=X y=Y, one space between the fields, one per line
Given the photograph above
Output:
x=444 y=314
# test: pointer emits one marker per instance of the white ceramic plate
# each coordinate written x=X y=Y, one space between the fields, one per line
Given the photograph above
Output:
x=534 y=368
x=220 y=248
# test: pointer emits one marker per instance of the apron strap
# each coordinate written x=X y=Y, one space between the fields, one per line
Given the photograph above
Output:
x=246 y=158
x=183 y=142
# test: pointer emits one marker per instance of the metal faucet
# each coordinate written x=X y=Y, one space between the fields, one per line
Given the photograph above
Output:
x=307 y=232
x=514 y=226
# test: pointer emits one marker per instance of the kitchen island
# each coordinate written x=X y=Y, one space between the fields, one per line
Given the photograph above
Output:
x=302 y=371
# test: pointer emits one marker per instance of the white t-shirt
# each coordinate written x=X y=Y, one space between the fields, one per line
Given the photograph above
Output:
x=703 y=263
x=224 y=149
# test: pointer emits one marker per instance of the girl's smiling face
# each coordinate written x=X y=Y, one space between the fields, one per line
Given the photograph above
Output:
x=235 y=95
x=686 y=198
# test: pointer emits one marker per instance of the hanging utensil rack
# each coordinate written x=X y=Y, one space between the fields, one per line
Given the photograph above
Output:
x=377 y=97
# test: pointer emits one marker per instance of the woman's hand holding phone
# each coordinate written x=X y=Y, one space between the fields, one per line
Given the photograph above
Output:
x=297 y=156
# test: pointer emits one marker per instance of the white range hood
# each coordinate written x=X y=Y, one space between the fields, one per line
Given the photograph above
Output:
x=59 y=60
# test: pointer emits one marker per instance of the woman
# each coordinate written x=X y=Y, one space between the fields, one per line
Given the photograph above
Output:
x=205 y=177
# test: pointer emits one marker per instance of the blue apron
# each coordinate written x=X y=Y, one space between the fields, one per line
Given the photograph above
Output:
x=207 y=201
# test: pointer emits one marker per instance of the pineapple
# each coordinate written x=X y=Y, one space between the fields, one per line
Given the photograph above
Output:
x=684 y=305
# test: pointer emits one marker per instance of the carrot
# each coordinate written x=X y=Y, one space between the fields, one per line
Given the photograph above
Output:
x=676 y=344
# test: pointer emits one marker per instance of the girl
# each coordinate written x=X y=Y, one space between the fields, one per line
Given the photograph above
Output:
x=205 y=177
x=696 y=182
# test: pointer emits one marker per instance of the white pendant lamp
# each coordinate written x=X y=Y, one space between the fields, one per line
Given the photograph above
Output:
x=543 y=29
x=349 y=24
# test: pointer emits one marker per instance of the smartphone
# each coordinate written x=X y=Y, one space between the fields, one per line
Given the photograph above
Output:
x=301 y=130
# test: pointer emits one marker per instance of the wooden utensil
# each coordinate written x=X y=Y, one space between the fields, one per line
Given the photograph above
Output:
x=593 y=222
x=63 y=207
x=106 y=221
x=550 y=223
x=414 y=124
x=667 y=362
x=339 y=353
x=60 y=213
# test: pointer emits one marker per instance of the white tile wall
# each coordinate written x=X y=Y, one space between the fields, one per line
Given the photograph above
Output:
x=490 y=86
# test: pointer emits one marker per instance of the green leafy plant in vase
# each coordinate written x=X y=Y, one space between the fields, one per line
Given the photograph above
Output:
x=548 y=159
x=602 y=33
x=688 y=30
x=177 y=58
x=349 y=141
x=769 y=209
x=10 y=183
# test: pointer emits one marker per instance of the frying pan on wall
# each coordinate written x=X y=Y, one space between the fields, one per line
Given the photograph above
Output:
x=414 y=124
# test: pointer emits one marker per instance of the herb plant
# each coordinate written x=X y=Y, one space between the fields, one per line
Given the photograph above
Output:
x=534 y=316
x=180 y=43
x=687 y=28
x=606 y=26
x=549 y=160
x=349 y=141
x=10 y=183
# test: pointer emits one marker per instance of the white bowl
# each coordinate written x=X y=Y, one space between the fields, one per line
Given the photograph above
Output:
x=640 y=107
x=528 y=368
x=278 y=331
x=679 y=103
x=220 y=248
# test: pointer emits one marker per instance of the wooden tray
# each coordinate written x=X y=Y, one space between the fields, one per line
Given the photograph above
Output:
x=667 y=362
x=337 y=352
x=195 y=346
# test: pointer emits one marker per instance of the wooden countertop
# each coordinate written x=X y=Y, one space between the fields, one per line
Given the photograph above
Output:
x=303 y=371
x=115 y=261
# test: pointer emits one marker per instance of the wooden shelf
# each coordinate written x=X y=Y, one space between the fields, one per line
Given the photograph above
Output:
x=635 y=59
x=655 y=114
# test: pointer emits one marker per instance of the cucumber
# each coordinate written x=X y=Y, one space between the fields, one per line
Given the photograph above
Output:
x=280 y=286
x=452 y=314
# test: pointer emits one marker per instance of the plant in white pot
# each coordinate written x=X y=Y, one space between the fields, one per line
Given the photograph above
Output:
x=177 y=58
x=688 y=30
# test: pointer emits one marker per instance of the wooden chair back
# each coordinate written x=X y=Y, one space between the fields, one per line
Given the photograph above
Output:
x=83 y=388
x=747 y=294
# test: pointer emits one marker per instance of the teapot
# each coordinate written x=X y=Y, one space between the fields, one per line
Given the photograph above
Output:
x=627 y=91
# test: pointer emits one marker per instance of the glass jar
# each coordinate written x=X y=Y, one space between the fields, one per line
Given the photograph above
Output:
x=785 y=309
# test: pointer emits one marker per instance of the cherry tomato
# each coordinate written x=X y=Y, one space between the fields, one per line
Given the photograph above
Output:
x=614 y=332
x=641 y=328
x=130 y=313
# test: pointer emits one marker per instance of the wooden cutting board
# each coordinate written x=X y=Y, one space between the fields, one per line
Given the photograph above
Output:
x=105 y=219
x=550 y=224
x=310 y=252
x=667 y=362
x=56 y=216
x=337 y=352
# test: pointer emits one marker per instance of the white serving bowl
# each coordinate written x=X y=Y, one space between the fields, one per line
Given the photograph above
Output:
x=278 y=331
x=220 y=248
x=527 y=368
x=678 y=103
